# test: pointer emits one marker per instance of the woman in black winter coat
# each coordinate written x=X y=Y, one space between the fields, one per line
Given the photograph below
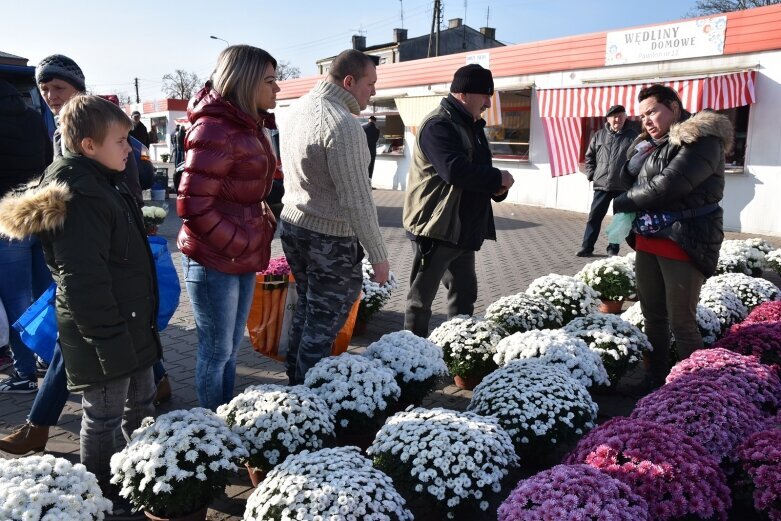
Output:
x=676 y=169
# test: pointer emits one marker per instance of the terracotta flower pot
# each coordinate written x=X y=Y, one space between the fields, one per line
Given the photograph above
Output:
x=611 y=306
x=200 y=515
x=467 y=382
x=152 y=230
x=255 y=475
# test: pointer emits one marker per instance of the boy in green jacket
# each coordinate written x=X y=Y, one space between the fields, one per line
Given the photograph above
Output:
x=95 y=246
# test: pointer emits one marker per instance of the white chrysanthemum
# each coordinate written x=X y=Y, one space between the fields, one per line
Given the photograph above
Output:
x=774 y=260
x=613 y=278
x=707 y=322
x=539 y=405
x=572 y=297
x=555 y=347
x=358 y=390
x=193 y=447
x=521 y=312
x=619 y=343
x=753 y=257
x=275 y=421
x=445 y=458
x=723 y=301
x=417 y=362
x=46 y=488
x=374 y=295
x=468 y=344
x=750 y=290
x=329 y=484
x=732 y=263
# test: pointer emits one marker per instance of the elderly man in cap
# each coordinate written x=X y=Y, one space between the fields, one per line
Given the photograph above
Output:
x=447 y=209
x=605 y=158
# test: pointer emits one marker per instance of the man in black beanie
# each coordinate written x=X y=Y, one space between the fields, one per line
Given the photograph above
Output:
x=447 y=208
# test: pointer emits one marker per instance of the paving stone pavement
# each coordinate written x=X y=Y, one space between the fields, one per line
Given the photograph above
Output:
x=531 y=242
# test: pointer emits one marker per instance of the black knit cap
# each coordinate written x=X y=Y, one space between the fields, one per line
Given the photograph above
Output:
x=473 y=79
x=62 y=68
x=615 y=109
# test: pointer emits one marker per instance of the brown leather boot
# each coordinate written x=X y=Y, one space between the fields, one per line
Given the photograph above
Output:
x=163 y=390
x=25 y=438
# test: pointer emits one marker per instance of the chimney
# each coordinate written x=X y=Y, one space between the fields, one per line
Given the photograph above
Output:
x=399 y=35
x=489 y=32
x=453 y=23
x=359 y=42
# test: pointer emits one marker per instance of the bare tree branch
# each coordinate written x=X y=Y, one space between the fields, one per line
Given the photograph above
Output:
x=286 y=71
x=703 y=7
x=181 y=84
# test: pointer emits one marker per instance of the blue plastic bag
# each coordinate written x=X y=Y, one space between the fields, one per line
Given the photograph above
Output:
x=619 y=227
x=168 y=286
x=38 y=325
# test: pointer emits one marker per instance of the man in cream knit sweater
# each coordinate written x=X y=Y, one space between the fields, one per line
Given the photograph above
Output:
x=328 y=211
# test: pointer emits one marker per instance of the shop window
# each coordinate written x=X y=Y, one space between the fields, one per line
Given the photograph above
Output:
x=510 y=140
x=391 y=128
x=159 y=131
x=736 y=158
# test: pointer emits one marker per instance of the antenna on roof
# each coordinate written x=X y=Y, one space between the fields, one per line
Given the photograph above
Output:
x=401 y=4
x=361 y=31
x=463 y=29
x=487 y=15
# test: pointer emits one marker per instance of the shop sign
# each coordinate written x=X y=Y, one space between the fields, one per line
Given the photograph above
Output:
x=690 y=39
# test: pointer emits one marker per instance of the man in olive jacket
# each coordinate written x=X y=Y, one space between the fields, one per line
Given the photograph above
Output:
x=447 y=208
x=95 y=245
x=605 y=158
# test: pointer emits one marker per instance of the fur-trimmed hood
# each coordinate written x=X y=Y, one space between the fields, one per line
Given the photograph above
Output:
x=34 y=211
x=704 y=123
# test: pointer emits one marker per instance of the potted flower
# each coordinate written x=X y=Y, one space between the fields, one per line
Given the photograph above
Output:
x=760 y=460
x=571 y=296
x=745 y=374
x=540 y=406
x=153 y=217
x=715 y=415
x=337 y=483
x=38 y=488
x=750 y=252
x=274 y=422
x=732 y=263
x=751 y=291
x=165 y=157
x=443 y=461
x=468 y=344
x=374 y=296
x=760 y=244
x=762 y=339
x=555 y=347
x=707 y=322
x=613 y=278
x=765 y=312
x=723 y=301
x=418 y=363
x=176 y=464
x=674 y=474
x=618 y=343
x=556 y=493
x=521 y=312
x=774 y=260
x=359 y=393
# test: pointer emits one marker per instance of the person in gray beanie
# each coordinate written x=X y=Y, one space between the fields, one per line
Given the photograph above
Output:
x=60 y=67
x=447 y=208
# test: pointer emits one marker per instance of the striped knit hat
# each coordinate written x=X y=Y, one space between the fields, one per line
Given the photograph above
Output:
x=60 y=67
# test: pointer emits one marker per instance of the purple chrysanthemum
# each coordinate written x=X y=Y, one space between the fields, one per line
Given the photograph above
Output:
x=670 y=470
x=577 y=492
x=760 y=458
x=761 y=339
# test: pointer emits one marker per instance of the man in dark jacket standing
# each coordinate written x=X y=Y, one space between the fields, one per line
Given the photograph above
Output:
x=447 y=209
x=139 y=131
x=605 y=158
x=372 y=136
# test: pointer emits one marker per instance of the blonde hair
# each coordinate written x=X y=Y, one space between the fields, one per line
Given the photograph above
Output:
x=85 y=116
x=238 y=73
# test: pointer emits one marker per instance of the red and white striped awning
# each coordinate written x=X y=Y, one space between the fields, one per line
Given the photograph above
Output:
x=561 y=109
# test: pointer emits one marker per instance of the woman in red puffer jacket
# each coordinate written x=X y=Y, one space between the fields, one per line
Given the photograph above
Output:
x=227 y=227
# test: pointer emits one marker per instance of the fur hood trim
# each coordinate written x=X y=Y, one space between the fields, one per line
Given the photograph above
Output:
x=704 y=123
x=34 y=211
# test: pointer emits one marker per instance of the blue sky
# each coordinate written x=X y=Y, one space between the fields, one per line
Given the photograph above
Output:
x=146 y=39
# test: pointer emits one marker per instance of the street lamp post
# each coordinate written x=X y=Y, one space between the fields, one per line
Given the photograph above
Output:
x=216 y=38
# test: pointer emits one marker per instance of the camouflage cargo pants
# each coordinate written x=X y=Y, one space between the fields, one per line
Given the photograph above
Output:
x=328 y=277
